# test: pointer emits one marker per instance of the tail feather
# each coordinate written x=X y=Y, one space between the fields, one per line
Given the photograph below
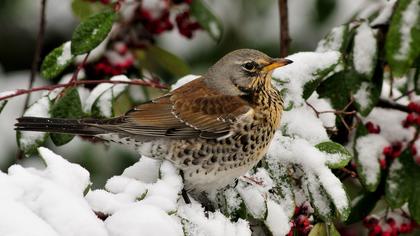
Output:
x=87 y=127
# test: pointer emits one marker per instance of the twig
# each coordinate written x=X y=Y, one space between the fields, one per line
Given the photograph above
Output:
x=80 y=82
x=79 y=67
x=38 y=48
x=403 y=95
x=284 y=28
x=384 y=103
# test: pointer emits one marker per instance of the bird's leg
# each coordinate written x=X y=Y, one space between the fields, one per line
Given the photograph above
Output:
x=184 y=193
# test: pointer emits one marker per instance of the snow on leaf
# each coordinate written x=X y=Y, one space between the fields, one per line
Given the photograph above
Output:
x=56 y=61
x=101 y=100
x=277 y=220
x=142 y=220
x=401 y=44
x=334 y=40
x=91 y=32
x=195 y=222
x=253 y=199
x=364 y=50
x=307 y=68
x=28 y=141
x=385 y=14
x=369 y=150
x=396 y=189
x=337 y=155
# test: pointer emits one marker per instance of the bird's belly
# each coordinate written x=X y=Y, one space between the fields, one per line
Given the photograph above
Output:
x=210 y=164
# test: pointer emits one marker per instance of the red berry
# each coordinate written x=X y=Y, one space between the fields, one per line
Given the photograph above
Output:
x=105 y=1
x=411 y=118
x=413 y=150
x=391 y=222
x=387 y=151
x=405 y=228
x=417 y=160
x=412 y=106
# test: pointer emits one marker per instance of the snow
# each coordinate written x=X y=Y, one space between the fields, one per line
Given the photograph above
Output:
x=54 y=196
x=102 y=96
x=323 y=104
x=253 y=200
x=216 y=224
x=305 y=68
x=362 y=96
x=394 y=173
x=65 y=55
x=214 y=29
x=7 y=93
x=364 y=49
x=390 y=122
x=143 y=220
x=276 y=220
x=369 y=149
x=408 y=21
x=39 y=109
x=333 y=40
x=385 y=14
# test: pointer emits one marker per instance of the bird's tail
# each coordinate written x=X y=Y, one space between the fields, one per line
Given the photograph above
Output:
x=88 y=127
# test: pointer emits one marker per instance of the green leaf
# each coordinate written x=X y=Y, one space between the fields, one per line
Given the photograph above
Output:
x=3 y=104
x=339 y=157
x=157 y=59
x=68 y=106
x=91 y=32
x=207 y=19
x=324 y=229
x=397 y=188
x=83 y=9
x=401 y=44
x=56 y=61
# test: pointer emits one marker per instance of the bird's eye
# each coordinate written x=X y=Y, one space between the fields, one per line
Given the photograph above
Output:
x=249 y=66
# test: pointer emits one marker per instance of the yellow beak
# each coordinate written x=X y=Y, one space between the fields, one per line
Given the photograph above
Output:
x=276 y=63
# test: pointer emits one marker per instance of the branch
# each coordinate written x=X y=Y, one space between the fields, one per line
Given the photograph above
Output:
x=38 y=48
x=80 y=82
x=384 y=103
x=284 y=28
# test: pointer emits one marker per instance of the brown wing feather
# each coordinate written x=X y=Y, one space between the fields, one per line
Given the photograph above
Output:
x=193 y=110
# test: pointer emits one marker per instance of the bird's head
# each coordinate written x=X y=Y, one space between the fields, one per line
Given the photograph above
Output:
x=245 y=69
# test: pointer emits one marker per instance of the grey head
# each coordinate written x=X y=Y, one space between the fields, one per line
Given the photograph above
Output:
x=242 y=71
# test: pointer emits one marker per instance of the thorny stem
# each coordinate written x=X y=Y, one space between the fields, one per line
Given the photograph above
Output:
x=284 y=28
x=38 y=48
x=80 y=82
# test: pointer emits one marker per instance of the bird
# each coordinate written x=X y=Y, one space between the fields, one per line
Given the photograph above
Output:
x=214 y=128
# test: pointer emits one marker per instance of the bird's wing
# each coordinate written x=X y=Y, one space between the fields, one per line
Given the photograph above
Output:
x=193 y=110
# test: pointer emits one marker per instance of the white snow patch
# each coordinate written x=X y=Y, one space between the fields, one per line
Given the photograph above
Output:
x=390 y=122
x=362 y=96
x=364 y=49
x=323 y=104
x=216 y=224
x=332 y=41
x=304 y=68
x=142 y=220
x=277 y=220
x=65 y=56
x=7 y=93
x=385 y=14
x=369 y=149
x=408 y=21
x=214 y=29
x=39 y=109
x=253 y=199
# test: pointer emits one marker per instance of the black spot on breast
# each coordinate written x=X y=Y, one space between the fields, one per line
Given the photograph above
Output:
x=244 y=140
x=196 y=162
x=187 y=151
x=213 y=159
x=187 y=161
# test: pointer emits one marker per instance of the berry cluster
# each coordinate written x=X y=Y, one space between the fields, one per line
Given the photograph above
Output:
x=117 y=60
x=390 y=153
x=413 y=118
x=372 y=128
x=159 y=21
x=185 y=25
x=389 y=226
x=415 y=153
x=301 y=224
